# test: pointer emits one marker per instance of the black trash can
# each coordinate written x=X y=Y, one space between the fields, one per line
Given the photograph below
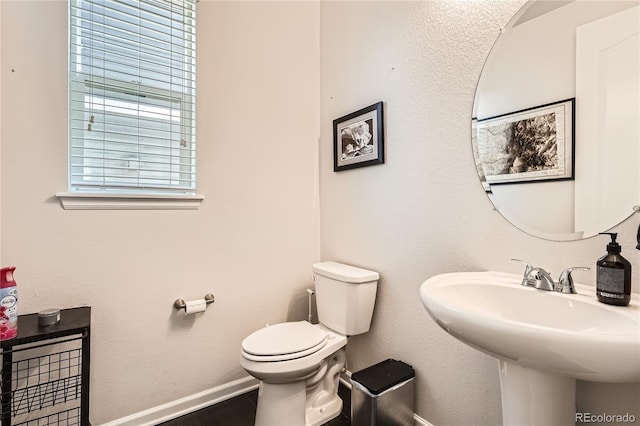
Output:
x=383 y=395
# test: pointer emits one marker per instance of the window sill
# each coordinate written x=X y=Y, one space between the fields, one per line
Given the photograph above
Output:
x=82 y=201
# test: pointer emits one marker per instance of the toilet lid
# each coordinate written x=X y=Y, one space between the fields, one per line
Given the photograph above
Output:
x=284 y=339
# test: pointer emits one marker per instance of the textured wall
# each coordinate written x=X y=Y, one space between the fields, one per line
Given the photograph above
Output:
x=251 y=243
x=260 y=110
x=424 y=211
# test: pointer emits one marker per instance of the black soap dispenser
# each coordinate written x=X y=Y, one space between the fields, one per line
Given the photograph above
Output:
x=613 y=275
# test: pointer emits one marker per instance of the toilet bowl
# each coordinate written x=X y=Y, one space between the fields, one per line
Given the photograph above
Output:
x=296 y=387
x=299 y=363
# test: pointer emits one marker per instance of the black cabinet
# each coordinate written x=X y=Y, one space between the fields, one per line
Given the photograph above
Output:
x=45 y=371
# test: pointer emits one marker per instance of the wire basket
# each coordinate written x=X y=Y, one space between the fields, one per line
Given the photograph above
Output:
x=44 y=381
x=68 y=417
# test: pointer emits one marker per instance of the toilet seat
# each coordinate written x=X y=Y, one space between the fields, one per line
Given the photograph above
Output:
x=283 y=342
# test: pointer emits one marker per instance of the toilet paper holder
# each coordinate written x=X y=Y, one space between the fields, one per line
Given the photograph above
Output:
x=181 y=304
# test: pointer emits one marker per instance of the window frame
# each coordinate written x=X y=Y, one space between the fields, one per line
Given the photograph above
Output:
x=79 y=196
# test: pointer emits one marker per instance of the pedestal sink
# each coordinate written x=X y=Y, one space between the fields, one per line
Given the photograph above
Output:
x=544 y=340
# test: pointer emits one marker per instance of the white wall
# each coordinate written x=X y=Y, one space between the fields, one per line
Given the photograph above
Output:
x=251 y=243
x=260 y=111
x=424 y=211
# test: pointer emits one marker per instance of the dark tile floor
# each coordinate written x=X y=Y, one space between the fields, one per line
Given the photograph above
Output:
x=241 y=411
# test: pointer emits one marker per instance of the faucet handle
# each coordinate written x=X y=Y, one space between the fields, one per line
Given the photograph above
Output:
x=565 y=282
x=527 y=281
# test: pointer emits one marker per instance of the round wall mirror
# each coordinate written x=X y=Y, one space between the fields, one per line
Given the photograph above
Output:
x=555 y=131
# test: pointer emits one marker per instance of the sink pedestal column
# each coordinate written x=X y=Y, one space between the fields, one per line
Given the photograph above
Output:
x=532 y=398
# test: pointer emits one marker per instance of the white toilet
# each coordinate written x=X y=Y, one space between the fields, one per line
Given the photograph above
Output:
x=298 y=363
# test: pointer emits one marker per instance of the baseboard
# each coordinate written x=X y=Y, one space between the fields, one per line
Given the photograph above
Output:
x=420 y=421
x=345 y=379
x=198 y=401
x=188 y=404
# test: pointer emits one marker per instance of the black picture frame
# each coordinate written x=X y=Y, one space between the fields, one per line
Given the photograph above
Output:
x=358 y=139
x=530 y=145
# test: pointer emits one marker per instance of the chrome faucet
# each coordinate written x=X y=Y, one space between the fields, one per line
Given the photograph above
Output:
x=539 y=278
x=565 y=282
x=526 y=280
x=542 y=278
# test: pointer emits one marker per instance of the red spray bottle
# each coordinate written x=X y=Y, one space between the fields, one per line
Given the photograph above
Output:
x=8 y=304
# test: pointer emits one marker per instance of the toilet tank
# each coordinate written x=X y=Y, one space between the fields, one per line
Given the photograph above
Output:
x=345 y=296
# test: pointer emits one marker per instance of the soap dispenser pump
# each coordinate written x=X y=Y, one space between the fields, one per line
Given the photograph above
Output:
x=613 y=275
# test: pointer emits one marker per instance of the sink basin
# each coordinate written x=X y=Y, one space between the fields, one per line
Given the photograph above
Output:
x=542 y=338
x=570 y=334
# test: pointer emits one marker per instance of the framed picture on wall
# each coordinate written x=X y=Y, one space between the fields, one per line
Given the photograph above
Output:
x=530 y=145
x=358 y=139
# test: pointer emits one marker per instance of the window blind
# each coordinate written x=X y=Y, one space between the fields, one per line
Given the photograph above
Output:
x=132 y=82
